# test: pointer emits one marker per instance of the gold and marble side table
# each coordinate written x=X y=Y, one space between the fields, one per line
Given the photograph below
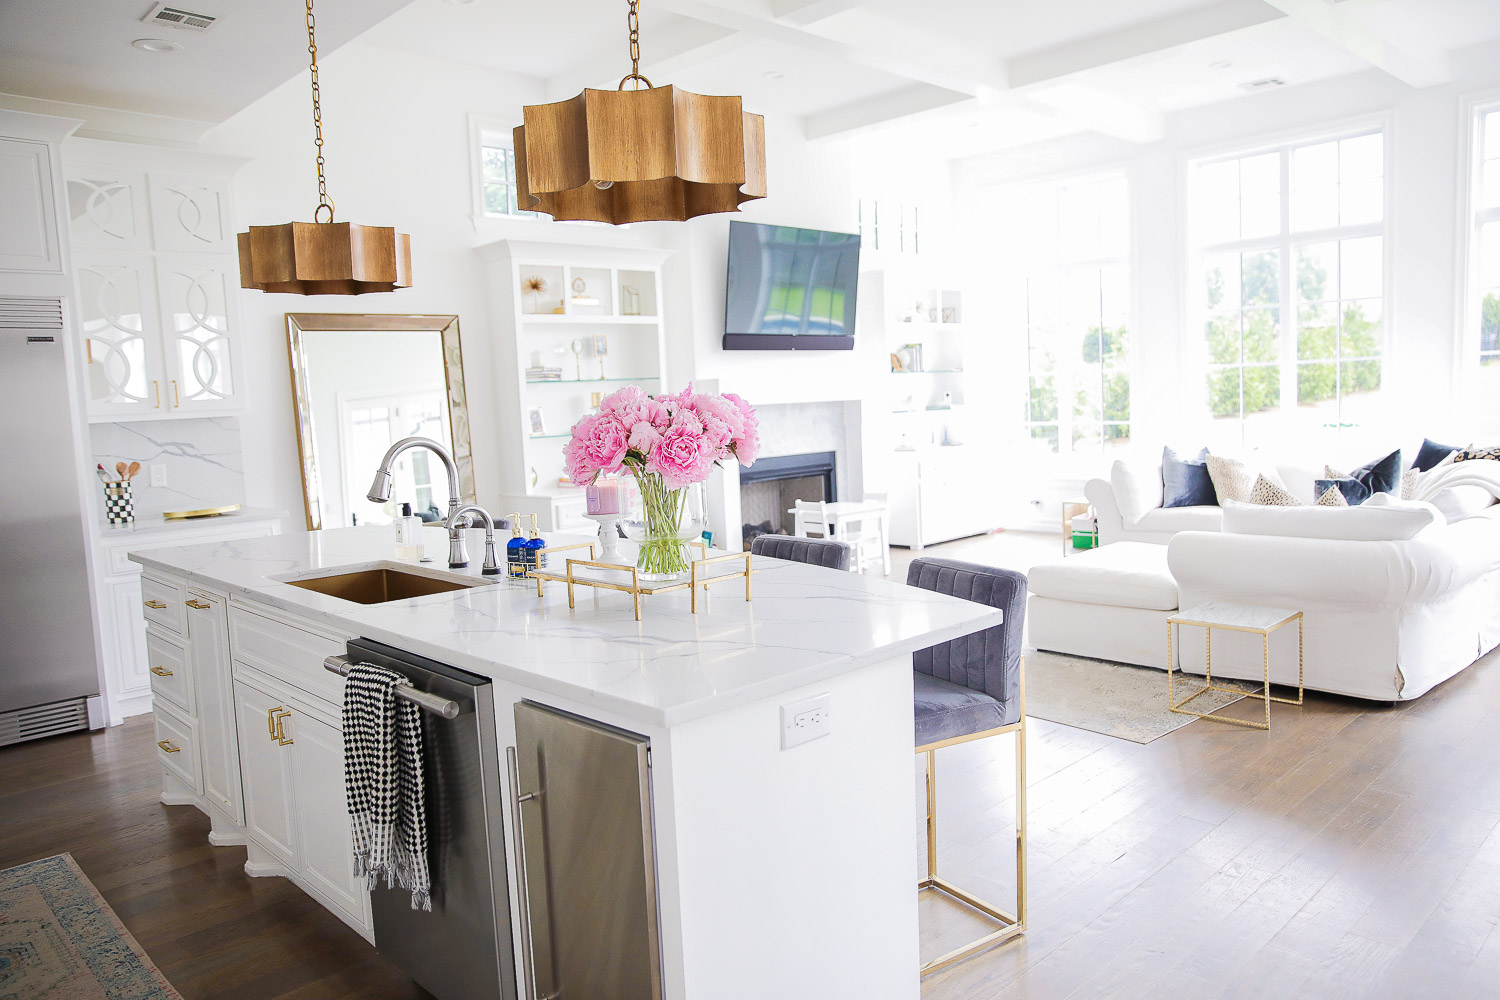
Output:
x=1234 y=618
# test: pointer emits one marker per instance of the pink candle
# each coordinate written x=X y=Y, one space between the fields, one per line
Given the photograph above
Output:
x=603 y=497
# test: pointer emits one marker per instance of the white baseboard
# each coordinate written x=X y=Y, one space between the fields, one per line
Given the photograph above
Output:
x=178 y=799
x=227 y=839
x=262 y=869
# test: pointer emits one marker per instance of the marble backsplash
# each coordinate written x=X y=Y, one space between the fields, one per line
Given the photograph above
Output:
x=202 y=458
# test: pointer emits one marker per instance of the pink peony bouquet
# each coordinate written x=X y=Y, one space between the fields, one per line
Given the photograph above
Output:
x=679 y=438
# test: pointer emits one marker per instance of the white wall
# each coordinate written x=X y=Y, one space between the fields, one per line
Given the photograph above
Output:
x=1426 y=134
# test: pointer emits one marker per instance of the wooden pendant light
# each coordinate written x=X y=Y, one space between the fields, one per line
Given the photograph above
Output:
x=323 y=257
x=640 y=155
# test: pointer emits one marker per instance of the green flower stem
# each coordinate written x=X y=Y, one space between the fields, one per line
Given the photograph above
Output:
x=662 y=553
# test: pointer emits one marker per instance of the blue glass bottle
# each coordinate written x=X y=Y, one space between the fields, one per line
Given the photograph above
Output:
x=536 y=548
x=515 y=550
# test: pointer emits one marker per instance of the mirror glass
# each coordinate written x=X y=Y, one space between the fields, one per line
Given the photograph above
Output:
x=363 y=382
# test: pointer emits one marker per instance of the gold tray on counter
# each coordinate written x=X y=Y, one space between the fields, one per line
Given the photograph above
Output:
x=183 y=515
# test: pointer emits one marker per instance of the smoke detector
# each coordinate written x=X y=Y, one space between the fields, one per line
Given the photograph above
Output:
x=1265 y=83
x=176 y=17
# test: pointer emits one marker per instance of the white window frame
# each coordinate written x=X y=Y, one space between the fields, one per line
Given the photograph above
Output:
x=480 y=130
x=1066 y=454
x=1196 y=364
x=1471 y=219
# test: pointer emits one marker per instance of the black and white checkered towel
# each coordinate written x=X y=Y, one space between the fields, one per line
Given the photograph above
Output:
x=383 y=778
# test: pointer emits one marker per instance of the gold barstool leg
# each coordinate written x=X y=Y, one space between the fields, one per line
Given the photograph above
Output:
x=932 y=814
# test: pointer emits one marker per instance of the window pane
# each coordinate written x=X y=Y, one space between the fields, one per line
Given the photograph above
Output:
x=1262 y=389
x=1492 y=136
x=1318 y=272
x=1116 y=435
x=1360 y=268
x=1361 y=333
x=1360 y=202
x=1317 y=331
x=1361 y=158
x=1260 y=195
x=1116 y=396
x=1262 y=331
x=1358 y=377
x=1489 y=187
x=1224 y=392
x=1217 y=204
x=1043 y=394
x=1046 y=435
x=1315 y=177
x=1489 y=255
x=1221 y=280
x=1114 y=296
x=496 y=198
x=1317 y=383
x=1223 y=334
x=1489 y=325
x=1260 y=278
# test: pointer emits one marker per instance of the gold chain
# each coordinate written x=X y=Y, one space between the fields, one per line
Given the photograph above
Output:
x=312 y=50
x=633 y=19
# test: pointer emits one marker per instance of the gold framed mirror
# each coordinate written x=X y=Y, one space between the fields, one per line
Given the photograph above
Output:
x=360 y=382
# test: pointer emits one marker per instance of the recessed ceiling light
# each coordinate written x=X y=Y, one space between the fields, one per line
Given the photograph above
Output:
x=159 y=45
x=773 y=74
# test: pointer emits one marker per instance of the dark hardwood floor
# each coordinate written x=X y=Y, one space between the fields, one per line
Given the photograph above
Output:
x=213 y=931
x=1352 y=852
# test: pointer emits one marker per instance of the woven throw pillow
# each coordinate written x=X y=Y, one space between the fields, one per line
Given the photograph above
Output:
x=1409 y=483
x=1268 y=494
x=1466 y=455
x=1232 y=479
x=1332 y=498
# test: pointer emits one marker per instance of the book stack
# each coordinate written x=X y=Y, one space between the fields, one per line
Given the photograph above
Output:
x=543 y=374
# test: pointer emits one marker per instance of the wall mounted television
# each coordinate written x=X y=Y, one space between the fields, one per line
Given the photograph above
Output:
x=790 y=289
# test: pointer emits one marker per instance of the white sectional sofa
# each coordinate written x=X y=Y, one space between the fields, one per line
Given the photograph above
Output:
x=1397 y=604
x=1128 y=504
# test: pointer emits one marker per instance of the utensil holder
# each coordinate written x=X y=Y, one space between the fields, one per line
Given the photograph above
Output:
x=119 y=504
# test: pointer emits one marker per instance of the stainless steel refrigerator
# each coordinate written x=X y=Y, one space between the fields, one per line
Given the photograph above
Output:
x=48 y=661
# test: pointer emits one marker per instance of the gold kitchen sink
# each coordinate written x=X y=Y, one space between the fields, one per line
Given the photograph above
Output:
x=381 y=586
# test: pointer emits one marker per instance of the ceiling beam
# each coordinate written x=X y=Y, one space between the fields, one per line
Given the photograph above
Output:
x=1354 y=36
x=801 y=13
x=878 y=110
x=669 y=51
x=1138 y=40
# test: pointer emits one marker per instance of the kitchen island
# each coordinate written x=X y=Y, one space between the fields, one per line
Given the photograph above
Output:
x=778 y=872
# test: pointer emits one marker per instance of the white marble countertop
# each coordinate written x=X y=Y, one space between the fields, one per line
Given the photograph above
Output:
x=805 y=623
x=155 y=526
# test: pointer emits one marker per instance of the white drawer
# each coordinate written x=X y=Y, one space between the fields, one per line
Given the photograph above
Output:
x=177 y=746
x=287 y=652
x=163 y=600
x=167 y=663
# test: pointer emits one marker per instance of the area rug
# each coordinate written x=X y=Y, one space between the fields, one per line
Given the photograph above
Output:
x=1115 y=699
x=59 y=940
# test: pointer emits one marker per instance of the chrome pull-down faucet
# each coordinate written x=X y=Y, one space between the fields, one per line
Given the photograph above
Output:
x=491 y=561
x=380 y=492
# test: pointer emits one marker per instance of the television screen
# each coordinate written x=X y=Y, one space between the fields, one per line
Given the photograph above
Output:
x=790 y=289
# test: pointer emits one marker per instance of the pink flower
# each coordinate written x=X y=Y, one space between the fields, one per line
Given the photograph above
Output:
x=746 y=443
x=683 y=456
x=598 y=444
x=644 y=438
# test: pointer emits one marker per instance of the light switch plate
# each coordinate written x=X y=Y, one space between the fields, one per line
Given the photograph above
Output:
x=805 y=720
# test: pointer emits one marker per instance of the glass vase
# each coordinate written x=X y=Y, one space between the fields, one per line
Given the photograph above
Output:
x=661 y=522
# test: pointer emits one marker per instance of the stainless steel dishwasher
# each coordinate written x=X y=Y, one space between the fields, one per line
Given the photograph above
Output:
x=462 y=949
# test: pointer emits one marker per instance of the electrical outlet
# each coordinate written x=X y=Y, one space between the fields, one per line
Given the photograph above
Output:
x=806 y=720
x=158 y=474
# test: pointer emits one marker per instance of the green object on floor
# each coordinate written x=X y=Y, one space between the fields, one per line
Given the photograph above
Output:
x=59 y=939
x=1084 y=540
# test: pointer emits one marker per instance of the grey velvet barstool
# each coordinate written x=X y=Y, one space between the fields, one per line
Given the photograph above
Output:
x=971 y=689
x=815 y=551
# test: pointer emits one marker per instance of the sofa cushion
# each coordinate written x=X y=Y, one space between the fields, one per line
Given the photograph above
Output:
x=1472 y=453
x=1352 y=490
x=1458 y=502
x=1185 y=482
x=945 y=710
x=1137 y=490
x=1383 y=475
x=1232 y=478
x=1269 y=494
x=1180 y=519
x=1125 y=574
x=1388 y=520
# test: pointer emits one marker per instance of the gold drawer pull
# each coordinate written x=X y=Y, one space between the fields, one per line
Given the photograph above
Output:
x=198 y=605
x=161 y=671
x=168 y=747
x=280 y=715
x=157 y=605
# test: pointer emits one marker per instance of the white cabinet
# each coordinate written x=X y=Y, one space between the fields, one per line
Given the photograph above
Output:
x=157 y=281
x=213 y=696
x=937 y=495
x=326 y=858
x=28 y=216
x=265 y=772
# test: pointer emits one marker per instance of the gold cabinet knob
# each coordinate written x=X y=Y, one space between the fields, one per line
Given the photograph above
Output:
x=157 y=605
x=197 y=604
x=161 y=671
x=168 y=747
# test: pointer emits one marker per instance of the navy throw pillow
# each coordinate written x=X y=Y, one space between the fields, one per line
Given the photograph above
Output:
x=1185 y=481
x=1355 y=492
x=1380 y=476
x=1431 y=453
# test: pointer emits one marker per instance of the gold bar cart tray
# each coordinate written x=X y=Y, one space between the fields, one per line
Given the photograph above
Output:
x=626 y=578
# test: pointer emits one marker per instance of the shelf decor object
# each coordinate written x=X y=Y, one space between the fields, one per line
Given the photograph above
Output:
x=640 y=155
x=323 y=257
x=670 y=444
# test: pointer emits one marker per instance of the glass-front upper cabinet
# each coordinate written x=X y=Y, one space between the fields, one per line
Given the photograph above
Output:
x=157 y=284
